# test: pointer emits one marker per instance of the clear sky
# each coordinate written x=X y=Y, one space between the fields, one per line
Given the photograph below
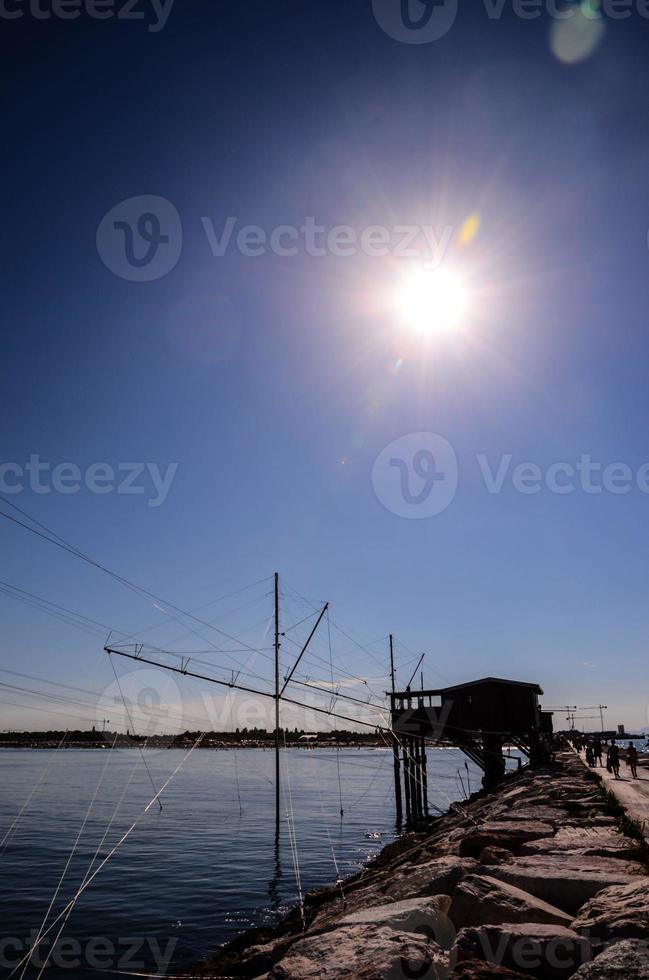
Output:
x=276 y=381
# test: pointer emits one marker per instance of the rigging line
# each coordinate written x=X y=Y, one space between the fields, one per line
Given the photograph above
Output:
x=112 y=851
x=138 y=589
x=376 y=775
x=313 y=655
x=341 y=670
x=331 y=665
x=128 y=712
x=81 y=717
x=109 y=824
x=12 y=827
x=436 y=670
x=305 y=683
x=248 y=690
x=56 y=605
x=70 y=856
x=234 y=752
x=219 y=619
x=90 y=631
x=290 y=819
x=344 y=633
x=45 y=694
x=195 y=609
x=242 y=667
x=64 y=714
x=299 y=623
x=339 y=880
x=63 y=699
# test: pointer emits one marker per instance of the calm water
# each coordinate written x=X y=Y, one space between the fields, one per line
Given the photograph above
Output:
x=204 y=868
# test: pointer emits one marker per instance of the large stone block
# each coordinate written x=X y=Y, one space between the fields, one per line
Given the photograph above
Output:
x=362 y=952
x=626 y=960
x=548 y=952
x=437 y=877
x=426 y=917
x=604 y=841
x=483 y=900
x=509 y=834
x=618 y=912
x=565 y=880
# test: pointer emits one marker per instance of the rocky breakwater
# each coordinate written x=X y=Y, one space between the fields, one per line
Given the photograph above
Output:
x=538 y=879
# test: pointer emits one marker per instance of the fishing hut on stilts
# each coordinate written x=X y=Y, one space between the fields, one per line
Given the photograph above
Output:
x=480 y=718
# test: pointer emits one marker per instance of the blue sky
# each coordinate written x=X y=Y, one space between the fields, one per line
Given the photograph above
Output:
x=274 y=382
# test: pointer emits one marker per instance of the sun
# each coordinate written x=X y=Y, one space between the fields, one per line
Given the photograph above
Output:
x=432 y=302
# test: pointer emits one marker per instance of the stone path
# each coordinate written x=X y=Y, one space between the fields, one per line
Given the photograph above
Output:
x=633 y=794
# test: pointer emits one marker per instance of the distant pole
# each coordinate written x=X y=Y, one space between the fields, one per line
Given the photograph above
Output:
x=601 y=714
x=277 y=821
x=395 y=748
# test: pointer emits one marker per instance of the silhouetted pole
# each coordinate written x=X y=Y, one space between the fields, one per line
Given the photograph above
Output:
x=395 y=749
x=277 y=820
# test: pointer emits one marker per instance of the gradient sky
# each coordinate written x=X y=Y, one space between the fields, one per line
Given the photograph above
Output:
x=274 y=382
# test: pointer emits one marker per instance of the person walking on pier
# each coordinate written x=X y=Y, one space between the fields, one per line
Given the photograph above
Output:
x=614 y=759
x=632 y=759
x=597 y=750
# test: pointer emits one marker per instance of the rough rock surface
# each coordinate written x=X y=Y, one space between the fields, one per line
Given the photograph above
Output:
x=362 y=953
x=426 y=892
x=566 y=881
x=437 y=877
x=479 y=970
x=510 y=834
x=423 y=916
x=617 y=913
x=544 y=951
x=598 y=841
x=482 y=900
x=495 y=855
x=626 y=960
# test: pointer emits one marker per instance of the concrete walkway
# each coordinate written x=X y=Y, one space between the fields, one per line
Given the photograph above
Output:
x=633 y=794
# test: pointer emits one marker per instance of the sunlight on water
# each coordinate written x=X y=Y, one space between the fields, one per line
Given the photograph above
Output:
x=200 y=871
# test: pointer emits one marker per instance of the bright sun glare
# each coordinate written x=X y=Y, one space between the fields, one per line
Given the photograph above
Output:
x=432 y=301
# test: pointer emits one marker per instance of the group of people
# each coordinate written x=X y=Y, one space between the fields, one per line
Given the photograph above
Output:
x=595 y=753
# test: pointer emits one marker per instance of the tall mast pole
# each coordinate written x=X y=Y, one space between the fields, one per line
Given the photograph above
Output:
x=277 y=821
x=395 y=748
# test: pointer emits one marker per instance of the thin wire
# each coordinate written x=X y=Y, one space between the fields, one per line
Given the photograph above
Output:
x=70 y=856
x=290 y=819
x=340 y=789
x=234 y=752
x=113 y=850
x=53 y=945
x=126 y=709
x=16 y=820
